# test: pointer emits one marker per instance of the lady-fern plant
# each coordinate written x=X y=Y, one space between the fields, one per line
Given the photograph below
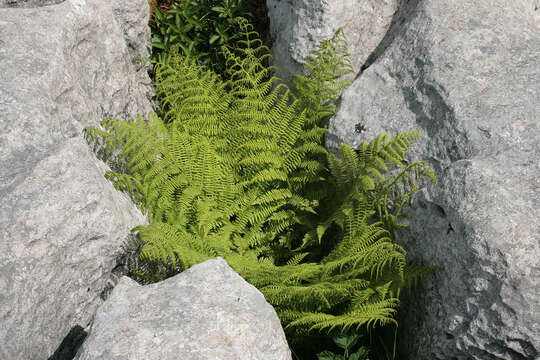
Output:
x=229 y=171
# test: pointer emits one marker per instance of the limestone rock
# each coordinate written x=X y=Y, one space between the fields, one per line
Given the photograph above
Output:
x=206 y=312
x=28 y=3
x=297 y=26
x=467 y=74
x=62 y=67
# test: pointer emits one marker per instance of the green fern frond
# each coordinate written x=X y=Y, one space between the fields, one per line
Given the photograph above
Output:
x=370 y=315
x=325 y=80
x=414 y=272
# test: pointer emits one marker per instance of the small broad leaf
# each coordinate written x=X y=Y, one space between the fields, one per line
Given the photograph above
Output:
x=213 y=39
x=156 y=42
x=346 y=342
x=327 y=355
x=361 y=354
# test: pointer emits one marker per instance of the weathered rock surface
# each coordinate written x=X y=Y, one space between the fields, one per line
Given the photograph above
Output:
x=467 y=74
x=298 y=26
x=62 y=67
x=206 y=312
x=28 y=3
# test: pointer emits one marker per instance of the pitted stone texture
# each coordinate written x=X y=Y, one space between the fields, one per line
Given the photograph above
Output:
x=298 y=26
x=28 y=3
x=62 y=224
x=132 y=18
x=206 y=312
x=466 y=74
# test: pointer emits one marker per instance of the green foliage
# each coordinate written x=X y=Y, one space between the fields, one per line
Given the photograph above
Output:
x=347 y=343
x=235 y=169
x=198 y=28
x=375 y=177
x=329 y=72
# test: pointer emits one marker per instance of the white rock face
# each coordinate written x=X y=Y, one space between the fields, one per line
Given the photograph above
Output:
x=297 y=26
x=467 y=74
x=206 y=312
x=62 y=67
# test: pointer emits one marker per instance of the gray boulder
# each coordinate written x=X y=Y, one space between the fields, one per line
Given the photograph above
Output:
x=62 y=224
x=467 y=74
x=297 y=26
x=206 y=312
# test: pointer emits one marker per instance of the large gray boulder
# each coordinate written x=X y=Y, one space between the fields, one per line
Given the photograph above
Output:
x=62 y=67
x=298 y=26
x=467 y=74
x=206 y=312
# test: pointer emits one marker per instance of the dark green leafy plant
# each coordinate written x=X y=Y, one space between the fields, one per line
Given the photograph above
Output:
x=347 y=343
x=198 y=28
x=228 y=171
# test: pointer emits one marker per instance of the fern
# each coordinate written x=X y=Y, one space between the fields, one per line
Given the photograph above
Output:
x=238 y=169
x=368 y=314
x=329 y=73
